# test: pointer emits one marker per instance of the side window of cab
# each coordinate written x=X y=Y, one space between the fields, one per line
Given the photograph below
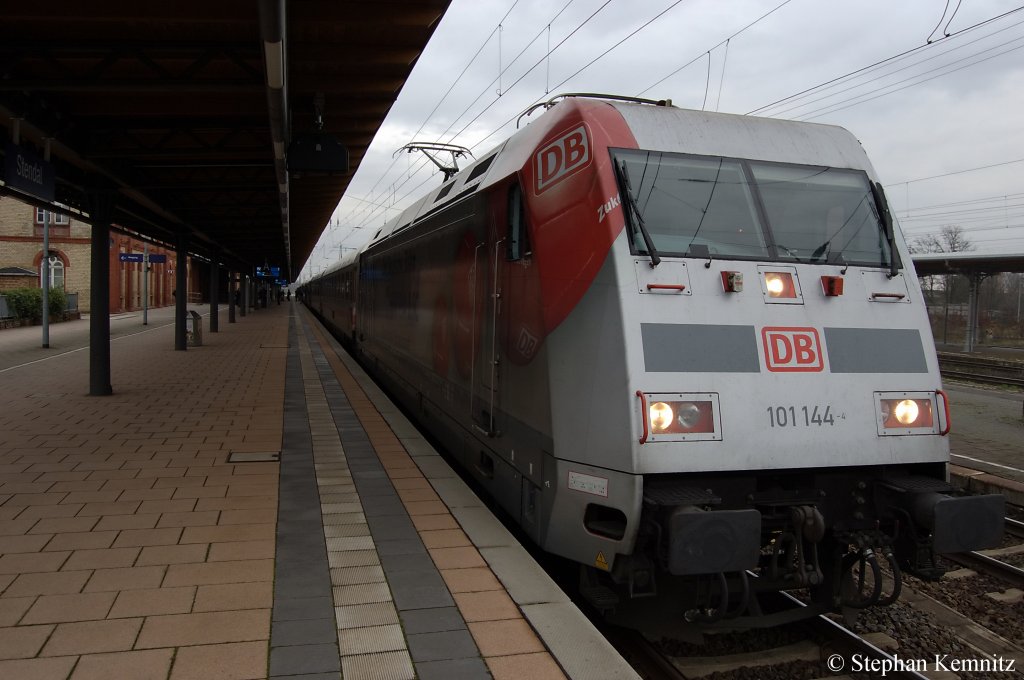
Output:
x=518 y=231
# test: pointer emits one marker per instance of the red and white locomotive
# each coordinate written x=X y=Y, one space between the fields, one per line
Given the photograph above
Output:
x=680 y=348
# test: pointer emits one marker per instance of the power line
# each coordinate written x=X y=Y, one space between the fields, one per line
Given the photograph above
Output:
x=808 y=116
x=1000 y=197
x=778 y=111
x=420 y=165
x=956 y=172
x=885 y=61
x=447 y=92
x=723 y=42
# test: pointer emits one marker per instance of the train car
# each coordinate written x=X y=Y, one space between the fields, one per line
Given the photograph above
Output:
x=686 y=350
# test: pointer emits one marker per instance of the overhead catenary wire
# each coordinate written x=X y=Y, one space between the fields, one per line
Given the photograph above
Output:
x=447 y=92
x=780 y=111
x=585 y=66
x=963 y=31
x=400 y=189
x=856 y=102
x=723 y=42
x=956 y=172
x=506 y=68
x=939 y=22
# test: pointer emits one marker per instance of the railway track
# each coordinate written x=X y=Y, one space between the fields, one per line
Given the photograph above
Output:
x=828 y=644
x=987 y=562
x=826 y=648
x=981 y=369
x=989 y=565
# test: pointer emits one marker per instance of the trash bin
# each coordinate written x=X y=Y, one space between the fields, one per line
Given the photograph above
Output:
x=194 y=329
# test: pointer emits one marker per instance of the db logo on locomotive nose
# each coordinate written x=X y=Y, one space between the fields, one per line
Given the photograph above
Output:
x=561 y=157
x=789 y=350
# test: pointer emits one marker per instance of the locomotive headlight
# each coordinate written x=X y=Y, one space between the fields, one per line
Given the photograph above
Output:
x=680 y=416
x=689 y=415
x=907 y=411
x=661 y=416
x=902 y=412
x=779 y=285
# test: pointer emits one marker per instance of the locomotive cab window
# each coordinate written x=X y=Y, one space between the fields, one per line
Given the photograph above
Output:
x=696 y=206
x=689 y=201
x=822 y=214
x=518 y=233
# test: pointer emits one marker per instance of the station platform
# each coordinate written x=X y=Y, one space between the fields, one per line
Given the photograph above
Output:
x=251 y=508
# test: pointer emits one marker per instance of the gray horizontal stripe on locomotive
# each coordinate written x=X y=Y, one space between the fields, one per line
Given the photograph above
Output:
x=699 y=348
x=875 y=350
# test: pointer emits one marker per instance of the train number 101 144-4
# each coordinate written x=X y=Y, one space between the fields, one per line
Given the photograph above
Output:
x=800 y=416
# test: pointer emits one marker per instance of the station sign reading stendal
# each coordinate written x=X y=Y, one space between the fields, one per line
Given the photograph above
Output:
x=27 y=172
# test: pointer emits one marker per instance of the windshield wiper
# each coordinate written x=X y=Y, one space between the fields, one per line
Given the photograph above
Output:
x=878 y=193
x=623 y=176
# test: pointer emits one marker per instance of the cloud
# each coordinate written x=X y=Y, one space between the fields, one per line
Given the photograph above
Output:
x=962 y=120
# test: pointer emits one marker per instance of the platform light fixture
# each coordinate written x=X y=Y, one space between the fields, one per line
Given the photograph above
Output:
x=273 y=54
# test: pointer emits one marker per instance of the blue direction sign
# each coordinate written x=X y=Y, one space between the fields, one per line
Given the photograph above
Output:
x=137 y=257
x=268 y=272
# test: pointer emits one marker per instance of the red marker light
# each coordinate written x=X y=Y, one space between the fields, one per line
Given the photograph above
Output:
x=832 y=286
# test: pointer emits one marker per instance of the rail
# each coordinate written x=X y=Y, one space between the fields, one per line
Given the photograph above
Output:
x=846 y=640
x=982 y=369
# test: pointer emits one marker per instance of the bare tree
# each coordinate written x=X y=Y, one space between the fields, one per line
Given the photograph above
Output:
x=951 y=239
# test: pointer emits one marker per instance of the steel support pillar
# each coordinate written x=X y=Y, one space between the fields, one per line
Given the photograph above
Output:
x=974 y=280
x=243 y=281
x=181 y=293
x=231 y=297
x=101 y=207
x=214 y=295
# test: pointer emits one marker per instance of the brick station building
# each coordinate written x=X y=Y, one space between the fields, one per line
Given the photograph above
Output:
x=21 y=254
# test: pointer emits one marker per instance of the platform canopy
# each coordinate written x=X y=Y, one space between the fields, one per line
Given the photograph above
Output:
x=184 y=112
x=967 y=262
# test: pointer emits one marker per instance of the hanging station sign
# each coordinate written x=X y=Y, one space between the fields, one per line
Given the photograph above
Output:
x=27 y=172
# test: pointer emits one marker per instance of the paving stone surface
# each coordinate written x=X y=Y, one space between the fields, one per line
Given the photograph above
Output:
x=135 y=548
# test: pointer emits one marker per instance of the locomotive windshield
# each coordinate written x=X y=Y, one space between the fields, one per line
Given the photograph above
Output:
x=738 y=209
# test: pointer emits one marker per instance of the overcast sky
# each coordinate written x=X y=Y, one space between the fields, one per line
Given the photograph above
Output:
x=952 y=106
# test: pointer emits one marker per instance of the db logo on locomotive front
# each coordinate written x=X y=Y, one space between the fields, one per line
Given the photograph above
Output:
x=560 y=158
x=791 y=350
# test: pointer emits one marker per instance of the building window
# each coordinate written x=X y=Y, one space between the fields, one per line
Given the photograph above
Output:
x=56 y=273
x=56 y=218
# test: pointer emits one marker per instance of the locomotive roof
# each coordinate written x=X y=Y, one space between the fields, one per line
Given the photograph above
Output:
x=724 y=134
x=664 y=128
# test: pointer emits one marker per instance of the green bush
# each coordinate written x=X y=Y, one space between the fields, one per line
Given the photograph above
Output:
x=58 y=303
x=27 y=303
